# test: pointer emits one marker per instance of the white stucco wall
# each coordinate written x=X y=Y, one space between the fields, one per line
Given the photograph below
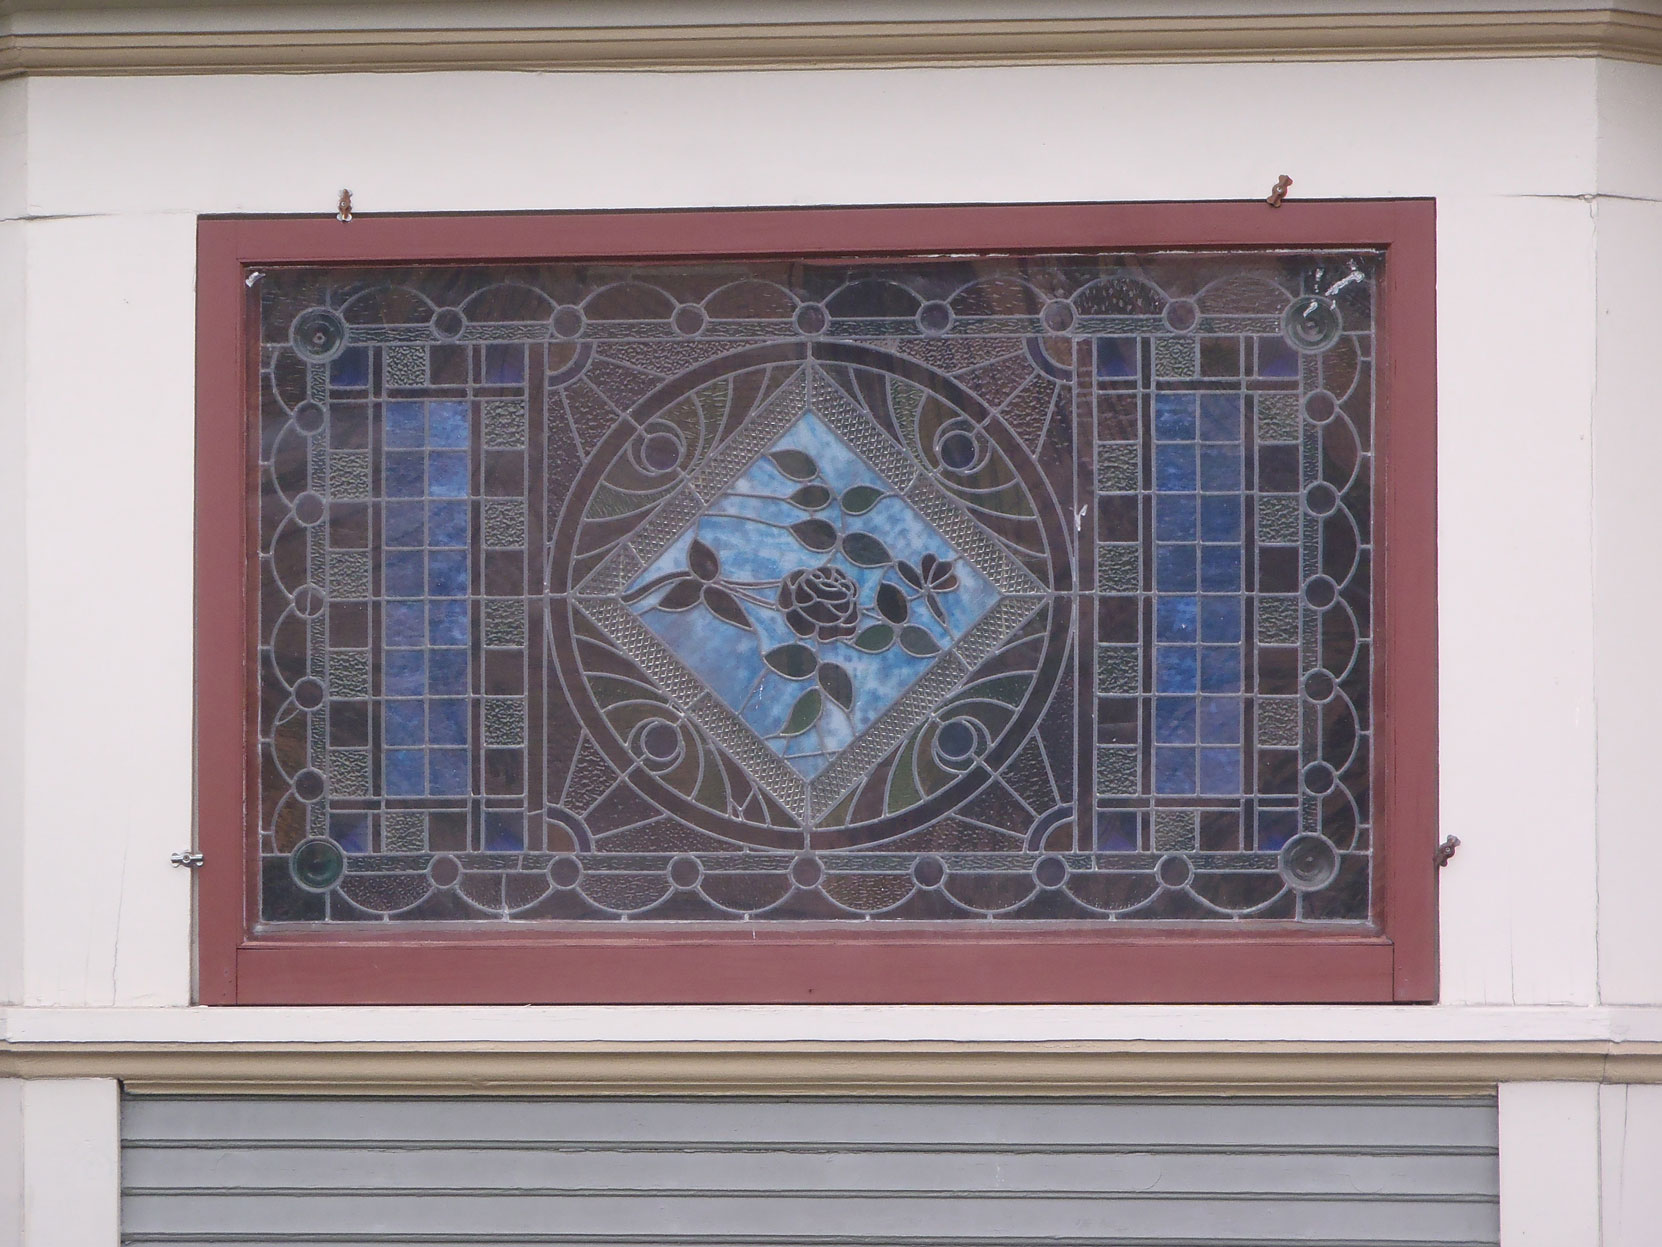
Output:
x=1548 y=176
x=118 y=168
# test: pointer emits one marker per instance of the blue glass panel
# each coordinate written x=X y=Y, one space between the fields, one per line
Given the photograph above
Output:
x=1116 y=831
x=1174 y=569
x=447 y=623
x=405 y=673
x=1220 y=669
x=505 y=363
x=1174 y=467
x=1220 y=467
x=447 y=474
x=1220 y=771
x=1277 y=358
x=1220 y=619
x=447 y=772
x=1276 y=827
x=447 y=671
x=447 y=424
x=1174 y=770
x=1219 y=720
x=406 y=473
x=748 y=530
x=447 y=721
x=406 y=772
x=1220 y=518
x=1220 y=417
x=1175 y=618
x=406 y=624
x=1175 y=668
x=404 y=524
x=1174 y=417
x=406 y=426
x=350 y=831
x=504 y=831
x=405 y=574
x=1116 y=357
x=447 y=573
x=406 y=723
x=350 y=369
x=1174 y=720
x=447 y=523
x=1174 y=517
x=1220 y=568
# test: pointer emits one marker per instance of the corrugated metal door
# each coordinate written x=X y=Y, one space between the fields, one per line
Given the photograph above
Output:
x=679 y=1173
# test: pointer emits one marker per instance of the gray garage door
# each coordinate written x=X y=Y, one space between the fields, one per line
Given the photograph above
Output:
x=675 y=1173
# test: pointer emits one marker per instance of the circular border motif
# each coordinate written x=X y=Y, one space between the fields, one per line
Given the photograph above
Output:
x=1051 y=528
x=317 y=864
x=318 y=335
x=1308 y=862
x=1312 y=323
x=567 y=321
x=448 y=323
x=1181 y=315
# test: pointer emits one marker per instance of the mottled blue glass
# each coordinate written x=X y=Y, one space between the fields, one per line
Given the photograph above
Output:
x=504 y=831
x=447 y=573
x=447 y=622
x=406 y=723
x=1116 y=357
x=404 y=574
x=1176 y=668
x=447 y=721
x=406 y=425
x=406 y=474
x=1218 y=720
x=1174 y=770
x=447 y=474
x=447 y=772
x=504 y=365
x=350 y=369
x=1174 y=517
x=447 y=671
x=1174 y=720
x=447 y=524
x=406 y=772
x=405 y=526
x=350 y=831
x=1220 y=417
x=447 y=424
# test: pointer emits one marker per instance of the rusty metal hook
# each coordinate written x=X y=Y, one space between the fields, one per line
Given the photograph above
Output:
x=1278 y=192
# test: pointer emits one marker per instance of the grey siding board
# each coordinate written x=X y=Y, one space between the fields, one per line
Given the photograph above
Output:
x=815 y=1173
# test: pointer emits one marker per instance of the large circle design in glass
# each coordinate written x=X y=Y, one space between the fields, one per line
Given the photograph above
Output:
x=852 y=632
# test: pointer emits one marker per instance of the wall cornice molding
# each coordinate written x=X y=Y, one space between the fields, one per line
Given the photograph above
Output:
x=156 y=47
x=834 y=1069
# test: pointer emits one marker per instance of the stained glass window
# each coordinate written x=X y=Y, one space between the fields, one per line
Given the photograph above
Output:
x=1022 y=588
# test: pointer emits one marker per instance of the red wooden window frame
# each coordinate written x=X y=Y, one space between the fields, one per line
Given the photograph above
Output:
x=1118 y=962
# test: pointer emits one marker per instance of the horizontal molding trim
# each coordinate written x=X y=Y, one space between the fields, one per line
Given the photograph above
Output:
x=834 y=1069
x=1609 y=32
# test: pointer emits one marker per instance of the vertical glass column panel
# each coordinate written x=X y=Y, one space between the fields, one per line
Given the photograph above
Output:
x=1013 y=589
x=426 y=617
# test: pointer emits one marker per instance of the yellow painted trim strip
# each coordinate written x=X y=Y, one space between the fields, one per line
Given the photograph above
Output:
x=1606 y=32
x=835 y=1069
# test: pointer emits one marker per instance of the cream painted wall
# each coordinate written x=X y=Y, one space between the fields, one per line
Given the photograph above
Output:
x=12 y=569
x=1627 y=443
x=117 y=169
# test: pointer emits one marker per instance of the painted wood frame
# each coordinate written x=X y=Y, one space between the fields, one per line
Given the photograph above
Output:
x=1119 y=962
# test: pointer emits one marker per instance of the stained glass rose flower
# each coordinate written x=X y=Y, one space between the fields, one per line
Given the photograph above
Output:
x=821 y=602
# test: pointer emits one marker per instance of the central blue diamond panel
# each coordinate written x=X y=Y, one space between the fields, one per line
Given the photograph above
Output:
x=809 y=597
